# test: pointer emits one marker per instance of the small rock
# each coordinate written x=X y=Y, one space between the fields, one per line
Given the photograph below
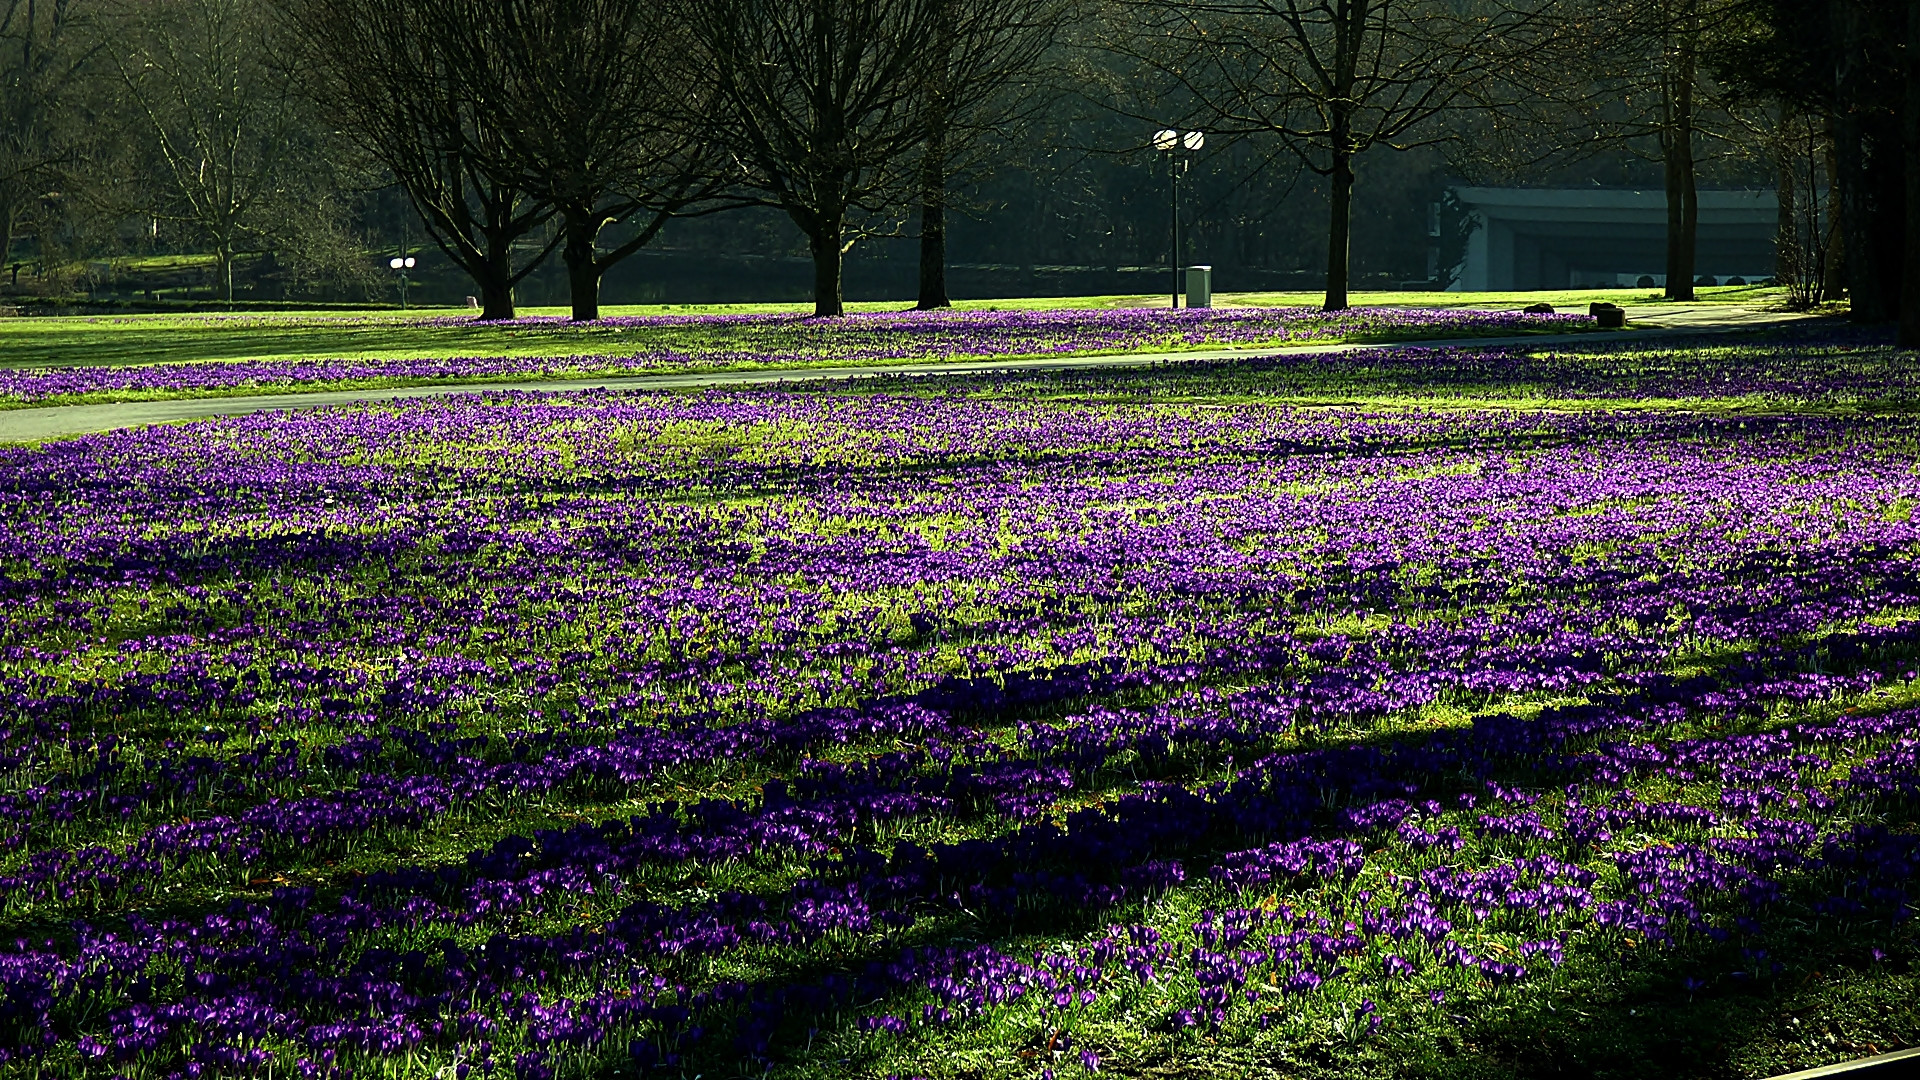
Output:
x=1539 y=309
x=1611 y=316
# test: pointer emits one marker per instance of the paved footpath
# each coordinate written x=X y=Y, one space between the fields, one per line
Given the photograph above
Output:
x=36 y=425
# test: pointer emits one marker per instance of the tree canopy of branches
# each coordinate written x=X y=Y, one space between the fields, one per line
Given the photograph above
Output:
x=821 y=101
x=1331 y=79
x=383 y=71
x=1842 y=60
x=980 y=83
x=41 y=56
x=219 y=117
x=589 y=101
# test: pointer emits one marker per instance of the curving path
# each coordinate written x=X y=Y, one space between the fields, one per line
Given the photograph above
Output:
x=59 y=421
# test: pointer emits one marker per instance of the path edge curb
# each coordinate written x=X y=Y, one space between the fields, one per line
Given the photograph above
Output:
x=1896 y=1065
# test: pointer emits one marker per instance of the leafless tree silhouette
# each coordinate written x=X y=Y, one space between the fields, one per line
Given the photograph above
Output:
x=1331 y=79
x=382 y=71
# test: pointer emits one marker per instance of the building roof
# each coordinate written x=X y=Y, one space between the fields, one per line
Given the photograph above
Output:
x=1613 y=204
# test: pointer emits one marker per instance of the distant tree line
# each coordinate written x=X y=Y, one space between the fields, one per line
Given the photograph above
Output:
x=496 y=114
x=1848 y=70
x=518 y=131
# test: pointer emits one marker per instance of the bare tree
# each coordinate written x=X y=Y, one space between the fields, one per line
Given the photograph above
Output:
x=1868 y=88
x=588 y=99
x=1910 y=279
x=383 y=70
x=1802 y=153
x=220 y=117
x=1679 y=28
x=1331 y=79
x=821 y=101
x=41 y=57
x=1844 y=61
x=1794 y=145
x=979 y=83
x=1627 y=76
x=1651 y=86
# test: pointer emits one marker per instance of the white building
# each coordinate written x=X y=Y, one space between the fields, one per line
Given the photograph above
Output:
x=1539 y=238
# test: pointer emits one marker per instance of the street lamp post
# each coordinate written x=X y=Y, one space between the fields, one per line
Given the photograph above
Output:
x=401 y=264
x=1172 y=143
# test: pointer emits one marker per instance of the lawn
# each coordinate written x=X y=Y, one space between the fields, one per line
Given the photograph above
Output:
x=1499 y=713
x=655 y=338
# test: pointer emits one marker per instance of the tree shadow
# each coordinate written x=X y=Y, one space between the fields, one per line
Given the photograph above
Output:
x=1633 y=1014
x=1603 y=1043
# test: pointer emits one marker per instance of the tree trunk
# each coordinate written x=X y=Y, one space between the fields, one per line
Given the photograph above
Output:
x=6 y=244
x=496 y=286
x=1834 y=244
x=827 y=253
x=223 y=270
x=1833 y=286
x=933 y=165
x=1689 y=215
x=1850 y=153
x=1786 y=241
x=933 y=227
x=933 y=257
x=1887 y=179
x=583 y=263
x=1910 y=280
x=1676 y=152
x=1339 y=225
x=1856 y=222
x=492 y=268
x=1679 y=245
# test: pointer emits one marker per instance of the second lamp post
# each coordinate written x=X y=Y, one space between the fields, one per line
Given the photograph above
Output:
x=1176 y=146
x=400 y=264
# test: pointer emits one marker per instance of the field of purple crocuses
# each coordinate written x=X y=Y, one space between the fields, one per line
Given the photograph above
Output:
x=1023 y=727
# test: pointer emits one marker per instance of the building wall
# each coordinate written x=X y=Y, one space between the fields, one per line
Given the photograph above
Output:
x=1533 y=238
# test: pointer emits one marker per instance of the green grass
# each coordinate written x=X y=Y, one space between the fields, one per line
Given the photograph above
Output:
x=166 y=338
x=1564 y=299
x=168 y=264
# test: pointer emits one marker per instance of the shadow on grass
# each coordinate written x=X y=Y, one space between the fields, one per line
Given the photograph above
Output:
x=1701 y=1009
x=1843 y=993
